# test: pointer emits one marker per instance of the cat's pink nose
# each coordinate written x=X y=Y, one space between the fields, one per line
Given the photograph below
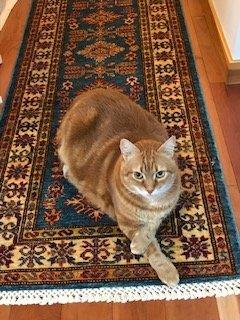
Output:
x=149 y=189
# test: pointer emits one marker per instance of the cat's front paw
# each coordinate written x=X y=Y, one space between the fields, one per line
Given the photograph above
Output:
x=137 y=248
x=168 y=274
x=139 y=244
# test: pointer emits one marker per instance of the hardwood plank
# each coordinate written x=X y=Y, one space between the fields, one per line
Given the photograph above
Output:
x=149 y=310
x=233 y=92
x=195 y=8
x=10 y=40
x=228 y=162
x=228 y=308
x=213 y=62
x=235 y=200
x=36 y=312
x=69 y=311
x=215 y=37
x=201 y=309
x=230 y=124
x=87 y=311
x=129 y=311
x=155 y=310
x=5 y=312
x=191 y=31
x=216 y=125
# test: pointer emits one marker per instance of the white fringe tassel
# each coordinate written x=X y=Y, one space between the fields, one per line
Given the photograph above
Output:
x=122 y=294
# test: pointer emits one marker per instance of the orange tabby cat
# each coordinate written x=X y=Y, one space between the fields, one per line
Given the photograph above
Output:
x=118 y=155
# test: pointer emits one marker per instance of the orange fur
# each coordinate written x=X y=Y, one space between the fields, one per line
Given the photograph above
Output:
x=97 y=125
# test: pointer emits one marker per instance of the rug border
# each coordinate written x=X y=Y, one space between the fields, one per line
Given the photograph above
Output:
x=148 y=290
x=219 y=174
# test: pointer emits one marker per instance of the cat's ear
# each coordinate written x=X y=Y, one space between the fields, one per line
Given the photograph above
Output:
x=128 y=149
x=168 y=147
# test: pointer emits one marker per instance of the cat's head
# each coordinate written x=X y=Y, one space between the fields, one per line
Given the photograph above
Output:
x=148 y=168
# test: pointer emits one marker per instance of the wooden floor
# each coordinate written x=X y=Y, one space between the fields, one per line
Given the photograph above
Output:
x=223 y=104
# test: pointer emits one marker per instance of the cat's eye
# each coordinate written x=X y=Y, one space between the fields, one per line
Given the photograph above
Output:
x=138 y=175
x=160 y=174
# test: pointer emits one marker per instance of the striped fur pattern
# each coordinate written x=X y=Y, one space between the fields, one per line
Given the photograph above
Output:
x=119 y=156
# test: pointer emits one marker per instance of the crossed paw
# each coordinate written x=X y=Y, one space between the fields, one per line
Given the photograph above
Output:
x=139 y=243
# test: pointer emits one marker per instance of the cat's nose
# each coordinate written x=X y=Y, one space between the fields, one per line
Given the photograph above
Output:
x=149 y=189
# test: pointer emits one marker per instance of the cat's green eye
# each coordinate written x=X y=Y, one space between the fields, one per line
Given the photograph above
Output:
x=160 y=174
x=138 y=175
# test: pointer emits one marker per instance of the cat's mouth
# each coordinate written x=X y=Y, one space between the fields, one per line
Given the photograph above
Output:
x=156 y=194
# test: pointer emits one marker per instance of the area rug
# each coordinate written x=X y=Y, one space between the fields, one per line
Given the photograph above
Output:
x=54 y=246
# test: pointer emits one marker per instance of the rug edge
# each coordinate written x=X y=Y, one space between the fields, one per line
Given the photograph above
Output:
x=213 y=151
x=219 y=174
x=122 y=295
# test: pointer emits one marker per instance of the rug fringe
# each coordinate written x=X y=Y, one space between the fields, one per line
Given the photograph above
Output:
x=123 y=294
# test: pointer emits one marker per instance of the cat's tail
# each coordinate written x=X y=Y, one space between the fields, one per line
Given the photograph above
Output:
x=164 y=268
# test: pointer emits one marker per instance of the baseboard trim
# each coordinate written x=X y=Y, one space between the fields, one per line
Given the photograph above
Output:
x=6 y=9
x=232 y=66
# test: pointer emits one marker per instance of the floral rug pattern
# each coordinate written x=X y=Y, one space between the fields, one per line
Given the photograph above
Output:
x=49 y=234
